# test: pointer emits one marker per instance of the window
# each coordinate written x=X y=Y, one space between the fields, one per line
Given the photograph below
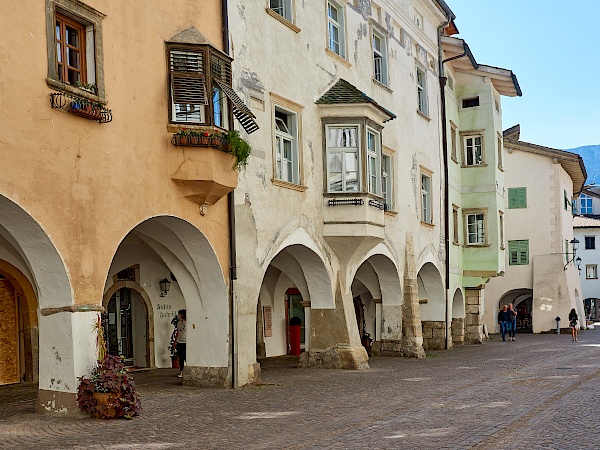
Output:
x=220 y=108
x=426 y=203
x=517 y=198
x=455 y=224
x=286 y=148
x=501 y=217
x=473 y=150
x=282 y=7
x=518 y=253
x=422 y=90
x=590 y=242
x=379 y=58
x=343 y=158
x=75 y=58
x=335 y=28
x=450 y=82
x=566 y=200
x=386 y=182
x=454 y=155
x=591 y=271
x=500 y=162
x=418 y=19
x=475 y=226
x=188 y=86
x=373 y=162
x=585 y=202
x=470 y=102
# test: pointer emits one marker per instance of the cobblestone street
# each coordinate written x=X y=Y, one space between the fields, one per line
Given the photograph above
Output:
x=540 y=392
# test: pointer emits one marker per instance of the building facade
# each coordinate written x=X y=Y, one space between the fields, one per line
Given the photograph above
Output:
x=101 y=207
x=541 y=277
x=476 y=185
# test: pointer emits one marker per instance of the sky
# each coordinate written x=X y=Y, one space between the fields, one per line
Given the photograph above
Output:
x=553 y=47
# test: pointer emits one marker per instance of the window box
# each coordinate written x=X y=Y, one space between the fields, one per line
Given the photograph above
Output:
x=81 y=107
x=185 y=138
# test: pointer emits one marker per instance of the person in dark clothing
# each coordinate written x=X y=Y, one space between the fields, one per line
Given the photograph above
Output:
x=181 y=340
x=503 y=321
x=512 y=322
x=573 y=318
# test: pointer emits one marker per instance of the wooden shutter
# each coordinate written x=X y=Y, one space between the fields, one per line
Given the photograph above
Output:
x=240 y=110
x=522 y=198
x=513 y=253
x=512 y=198
x=523 y=252
x=188 y=86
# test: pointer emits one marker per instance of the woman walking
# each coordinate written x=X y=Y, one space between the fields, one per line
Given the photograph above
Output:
x=181 y=339
x=573 y=323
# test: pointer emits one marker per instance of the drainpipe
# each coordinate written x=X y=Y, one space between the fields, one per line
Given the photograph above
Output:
x=232 y=243
x=449 y=17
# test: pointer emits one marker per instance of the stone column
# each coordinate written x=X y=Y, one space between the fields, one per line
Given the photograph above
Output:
x=412 y=337
x=67 y=351
x=474 y=316
x=458 y=331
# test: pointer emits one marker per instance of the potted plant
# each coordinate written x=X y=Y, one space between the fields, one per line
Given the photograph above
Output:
x=109 y=392
x=194 y=137
x=216 y=140
x=205 y=139
x=239 y=148
x=181 y=137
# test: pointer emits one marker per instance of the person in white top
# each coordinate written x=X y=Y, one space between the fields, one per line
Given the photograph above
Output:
x=180 y=339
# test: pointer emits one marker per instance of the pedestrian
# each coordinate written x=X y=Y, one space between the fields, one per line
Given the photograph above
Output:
x=180 y=339
x=573 y=323
x=512 y=322
x=503 y=321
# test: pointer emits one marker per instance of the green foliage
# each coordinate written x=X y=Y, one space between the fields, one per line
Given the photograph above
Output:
x=239 y=148
x=109 y=376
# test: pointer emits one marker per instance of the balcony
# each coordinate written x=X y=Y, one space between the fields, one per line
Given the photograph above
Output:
x=201 y=165
x=353 y=221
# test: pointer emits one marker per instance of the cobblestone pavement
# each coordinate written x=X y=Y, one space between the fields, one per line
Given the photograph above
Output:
x=540 y=392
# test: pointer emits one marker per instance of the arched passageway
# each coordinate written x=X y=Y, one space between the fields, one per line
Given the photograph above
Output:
x=139 y=312
x=296 y=280
x=432 y=306
x=377 y=296
x=458 y=318
x=522 y=300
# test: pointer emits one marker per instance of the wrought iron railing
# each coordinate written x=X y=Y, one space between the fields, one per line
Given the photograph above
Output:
x=345 y=201
x=81 y=106
x=377 y=204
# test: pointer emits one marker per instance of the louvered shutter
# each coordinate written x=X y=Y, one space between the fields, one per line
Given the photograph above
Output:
x=241 y=112
x=188 y=86
x=512 y=198
x=523 y=252
x=513 y=253
x=521 y=198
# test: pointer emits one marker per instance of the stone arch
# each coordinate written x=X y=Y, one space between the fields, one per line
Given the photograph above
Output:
x=432 y=307
x=149 y=311
x=297 y=275
x=170 y=247
x=523 y=302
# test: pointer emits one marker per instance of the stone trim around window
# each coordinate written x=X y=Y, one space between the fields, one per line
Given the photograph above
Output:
x=470 y=211
x=283 y=20
x=296 y=108
x=92 y=19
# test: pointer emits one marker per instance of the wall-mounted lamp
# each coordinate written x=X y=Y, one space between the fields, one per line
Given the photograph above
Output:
x=578 y=262
x=574 y=245
x=165 y=285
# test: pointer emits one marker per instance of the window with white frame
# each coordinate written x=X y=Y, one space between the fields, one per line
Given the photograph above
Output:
x=591 y=271
x=283 y=8
x=455 y=232
x=585 y=204
x=475 y=228
x=453 y=144
x=500 y=162
x=343 y=168
x=387 y=181
x=335 y=28
x=426 y=215
x=422 y=90
x=374 y=161
x=473 y=146
x=286 y=147
x=379 y=58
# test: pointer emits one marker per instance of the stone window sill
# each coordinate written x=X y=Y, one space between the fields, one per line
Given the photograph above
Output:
x=288 y=185
x=424 y=116
x=338 y=58
x=283 y=20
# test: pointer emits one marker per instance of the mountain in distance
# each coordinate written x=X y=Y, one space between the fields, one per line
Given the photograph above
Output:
x=591 y=159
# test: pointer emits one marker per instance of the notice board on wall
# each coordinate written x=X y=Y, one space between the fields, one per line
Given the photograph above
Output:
x=268 y=320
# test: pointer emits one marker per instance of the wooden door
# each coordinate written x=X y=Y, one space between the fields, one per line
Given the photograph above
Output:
x=9 y=334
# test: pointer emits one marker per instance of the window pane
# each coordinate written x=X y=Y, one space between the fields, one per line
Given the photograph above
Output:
x=72 y=36
x=335 y=171
x=59 y=52
x=351 y=161
x=334 y=38
x=332 y=11
x=342 y=137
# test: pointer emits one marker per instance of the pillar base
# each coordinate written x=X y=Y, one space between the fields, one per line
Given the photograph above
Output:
x=474 y=334
x=210 y=377
x=413 y=347
x=346 y=357
x=434 y=335
x=57 y=403
x=388 y=348
x=458 y=331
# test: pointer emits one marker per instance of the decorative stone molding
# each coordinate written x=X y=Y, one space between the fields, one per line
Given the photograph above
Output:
x=71 y=309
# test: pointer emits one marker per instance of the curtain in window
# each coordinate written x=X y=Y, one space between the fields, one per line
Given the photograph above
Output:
x=342 y=137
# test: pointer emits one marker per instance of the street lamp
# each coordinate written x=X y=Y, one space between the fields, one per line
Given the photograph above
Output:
x=165 y=285
x=574 y=245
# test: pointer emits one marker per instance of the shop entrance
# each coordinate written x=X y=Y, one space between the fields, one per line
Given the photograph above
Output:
x=127 y=325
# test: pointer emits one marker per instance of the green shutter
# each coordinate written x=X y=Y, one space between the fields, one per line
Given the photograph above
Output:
x=513 y=252
x=517 y=198
x=524 y=252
